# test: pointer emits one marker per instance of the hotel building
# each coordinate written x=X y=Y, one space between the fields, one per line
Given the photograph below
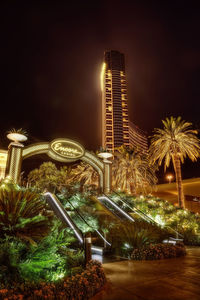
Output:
x=117 y=130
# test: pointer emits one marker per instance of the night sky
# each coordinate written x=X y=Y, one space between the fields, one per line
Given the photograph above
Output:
x=51 y=54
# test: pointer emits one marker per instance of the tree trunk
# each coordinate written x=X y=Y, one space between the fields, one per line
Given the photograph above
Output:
x=179 y=184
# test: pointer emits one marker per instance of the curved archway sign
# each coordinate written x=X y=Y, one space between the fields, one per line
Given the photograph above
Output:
x=63 y=150
x=66 y=150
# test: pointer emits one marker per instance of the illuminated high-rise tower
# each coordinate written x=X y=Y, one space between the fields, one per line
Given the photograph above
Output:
x=115 y=122
x=117 y=130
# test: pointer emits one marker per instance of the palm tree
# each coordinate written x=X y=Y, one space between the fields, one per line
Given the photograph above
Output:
x=131 y=170
x=174 y=143
x=19 y=131
x=85 y=174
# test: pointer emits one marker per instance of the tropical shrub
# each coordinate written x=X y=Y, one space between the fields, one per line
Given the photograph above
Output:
x=128 y=236
x=158 y=251
x=85 y=174
x=23 y=215
x=81 y=286
x=11 y=252
x=167 y=216
x=48 y=260
x=48 y=177
x=80 y=208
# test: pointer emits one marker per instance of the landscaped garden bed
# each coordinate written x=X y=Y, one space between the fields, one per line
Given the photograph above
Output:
x=80 y=286
x=158 y=251
x=39 y=256
x=41 y=259
x=166 y=215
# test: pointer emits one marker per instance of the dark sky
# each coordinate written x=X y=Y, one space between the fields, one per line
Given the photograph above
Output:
x=51 y=54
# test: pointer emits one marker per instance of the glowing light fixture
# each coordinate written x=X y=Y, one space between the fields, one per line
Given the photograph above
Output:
x=170 y=177
x=105 y=155
x=96 y=249
x=16 y=137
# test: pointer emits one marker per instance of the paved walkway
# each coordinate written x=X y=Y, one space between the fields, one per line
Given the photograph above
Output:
x=168 y=279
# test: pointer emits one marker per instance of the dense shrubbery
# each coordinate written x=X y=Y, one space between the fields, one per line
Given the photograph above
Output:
x=33 y=247
x=127 y=236
x=48 y=260
x=167 y=215
x=21 y=211
x=158 y=251
x=37 y=256
x=81 y=286
x=85 y=206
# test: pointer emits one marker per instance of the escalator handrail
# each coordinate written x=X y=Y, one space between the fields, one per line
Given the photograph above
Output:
x=80 y=215
x=122 y=200
x=135 y=208
x=61 y=213
x=110 y=211
x=117 y=207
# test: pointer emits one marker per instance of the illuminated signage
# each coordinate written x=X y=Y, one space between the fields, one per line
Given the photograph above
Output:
x=67 y=149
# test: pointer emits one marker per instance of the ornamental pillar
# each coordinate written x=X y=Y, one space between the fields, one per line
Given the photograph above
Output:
x=14 y=160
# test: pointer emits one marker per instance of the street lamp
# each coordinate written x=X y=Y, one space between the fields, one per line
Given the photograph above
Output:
x=169 y=177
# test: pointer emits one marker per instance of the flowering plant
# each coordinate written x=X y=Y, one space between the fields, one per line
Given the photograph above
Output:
x=80 y=287
x=158 y=251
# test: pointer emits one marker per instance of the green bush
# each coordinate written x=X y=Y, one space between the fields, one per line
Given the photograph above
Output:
x=48 y=260
x=23 y=214
x=12 y=251
x=167 y=215
x=127 y=236
x=81 y=286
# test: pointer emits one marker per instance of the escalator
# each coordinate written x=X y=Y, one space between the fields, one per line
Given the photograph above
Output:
x=64 y=216
x=61 y=213
x=115 y=209
x=92 y=229
x=105 y=199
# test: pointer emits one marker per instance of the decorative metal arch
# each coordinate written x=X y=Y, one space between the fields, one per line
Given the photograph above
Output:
x=63 y=150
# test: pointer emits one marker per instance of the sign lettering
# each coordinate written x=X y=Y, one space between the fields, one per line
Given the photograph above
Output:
x=67 y=149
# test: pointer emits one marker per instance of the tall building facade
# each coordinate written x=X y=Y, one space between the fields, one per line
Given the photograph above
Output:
x=115 y=122
x=116 y=127
x=137 y=139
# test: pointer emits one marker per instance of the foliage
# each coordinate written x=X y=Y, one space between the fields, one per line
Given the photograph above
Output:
x=131 y=171
x=8 y=185
x=81 y=286
x=176 y=137
x=23 y=214
x=174 y=143
x=19 y=131
x=47 y=177
x=85 y=175
x=85 y=205
x=12 y=250
x=128 y=236
x=158 y=251
x=169 y=216
x=80 y=209
x=49 y=260
x=80 y=177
